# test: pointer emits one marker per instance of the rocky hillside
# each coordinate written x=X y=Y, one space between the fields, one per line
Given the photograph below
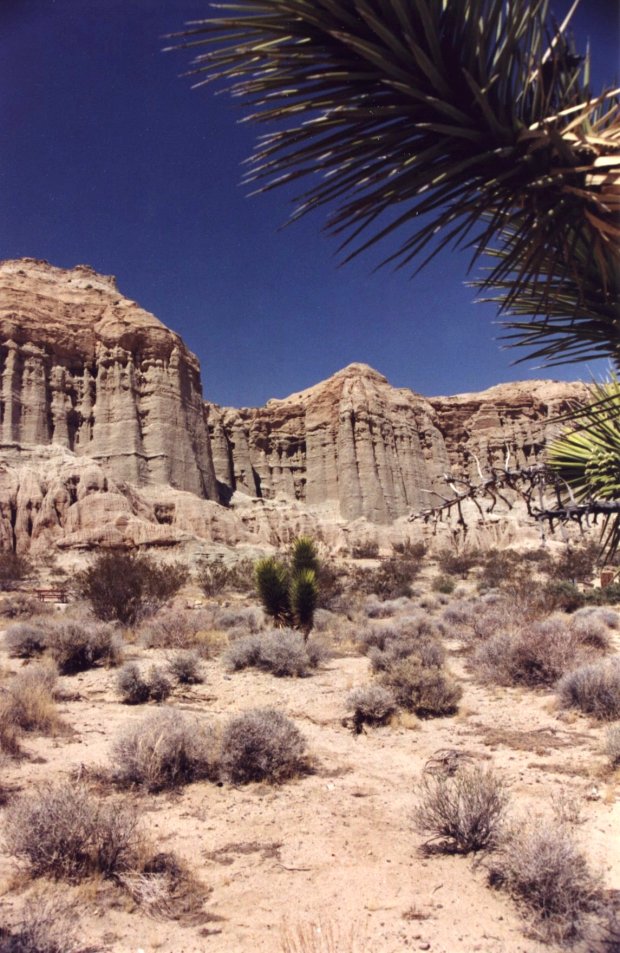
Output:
x=105 y=436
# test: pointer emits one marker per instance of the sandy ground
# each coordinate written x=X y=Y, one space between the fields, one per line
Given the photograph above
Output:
x=335 y=849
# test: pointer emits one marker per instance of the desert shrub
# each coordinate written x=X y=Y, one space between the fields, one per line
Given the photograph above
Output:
x=411 y=636
x=122 y=586
x=24 y=640
x=589 y=629
x=541 y=866
x=392 y=579
x=185 y=667
x=365 y=550
x=250 y=618
x=283 y=652
x=9 y=734
x=261 y=745
x=429 y=692
x=376 y=608
x=443 y=584
x=28 y=703
x=461 y=812
x=371 y=705
x=136 y=686
x=48 y=924
x=533 y=654
x=498 y=567
x=410 y=550
x=458 y=564
x=605 y=596
x=575 y=564
x=165 y=749
x=176 y=628
x=21 y=604
x=79 y=645
x=215 y=576
x=593 y=689
x=612 y=745
x=607 y=617
x=562 y=595
x=13 y=568
x=64 y=832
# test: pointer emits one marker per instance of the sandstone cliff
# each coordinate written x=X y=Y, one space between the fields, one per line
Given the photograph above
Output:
x=84 y=368
x=365 y=449
x=105 y=438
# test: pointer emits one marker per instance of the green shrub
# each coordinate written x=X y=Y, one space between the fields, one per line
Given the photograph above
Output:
x=576 y=563
x=443 y=584
x=122 y=586
x=261 y=745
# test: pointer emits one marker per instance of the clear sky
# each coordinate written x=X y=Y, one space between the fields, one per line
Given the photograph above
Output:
x=108 y=158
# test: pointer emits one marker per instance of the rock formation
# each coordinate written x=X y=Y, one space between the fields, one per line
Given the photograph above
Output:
x=84 y=368
x=106 y=440
x=362 y=448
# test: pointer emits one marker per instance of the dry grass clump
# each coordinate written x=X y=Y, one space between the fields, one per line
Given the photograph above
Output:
x=461 y=812
x=184 y=665
x=166 y=749
x=48 y=925
x=28 y=703
x=261 y=745
x=283 y=652
x=321 y=937
x=429 y=692
x=542 y=867
x=77 y=645
x=533 y=654
x=594 y=689
x=64 y=832
x=612 y=746
x=22 y=605
x=178 y=628
x=136 y=686
x=371 y=705
x=25 y=640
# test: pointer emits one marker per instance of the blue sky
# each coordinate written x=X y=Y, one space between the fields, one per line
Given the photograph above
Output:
x=110 y=159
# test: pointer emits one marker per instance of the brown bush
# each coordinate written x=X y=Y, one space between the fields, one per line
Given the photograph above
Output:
x=612 y=746
x=429 y=692
x=593 y=689
x=22 y=605
x=283 y=652
x=137 y=686
x=261 y=745
x=28 y=703
x=544 y=870
x=64 y=832
x=79 y=645
x=533 y=654
x=461 y=812
x=458 y=564
x=166 y=749
x=48 y=925
x=185 y=667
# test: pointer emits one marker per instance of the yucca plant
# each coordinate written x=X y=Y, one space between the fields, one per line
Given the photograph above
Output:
x=442 y=122
x=272 y=584
x=587 y=458
x=304 y=596
x=289 y=594
x=304 y=555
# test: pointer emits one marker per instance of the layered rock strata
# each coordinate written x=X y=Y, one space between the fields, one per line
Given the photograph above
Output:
x=84 y=368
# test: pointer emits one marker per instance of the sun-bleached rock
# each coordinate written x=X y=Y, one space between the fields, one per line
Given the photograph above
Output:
x=84 y=368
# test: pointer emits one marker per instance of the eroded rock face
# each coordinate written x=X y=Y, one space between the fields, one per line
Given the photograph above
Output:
x=105 y=438
x=84 y=368
x=363 y=448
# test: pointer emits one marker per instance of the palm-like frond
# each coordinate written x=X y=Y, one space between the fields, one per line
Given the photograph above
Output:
x=442 y=121
x=587 y=457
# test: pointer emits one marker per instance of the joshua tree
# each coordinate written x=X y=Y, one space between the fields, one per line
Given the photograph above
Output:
x=464 y=122
x=289 y=595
